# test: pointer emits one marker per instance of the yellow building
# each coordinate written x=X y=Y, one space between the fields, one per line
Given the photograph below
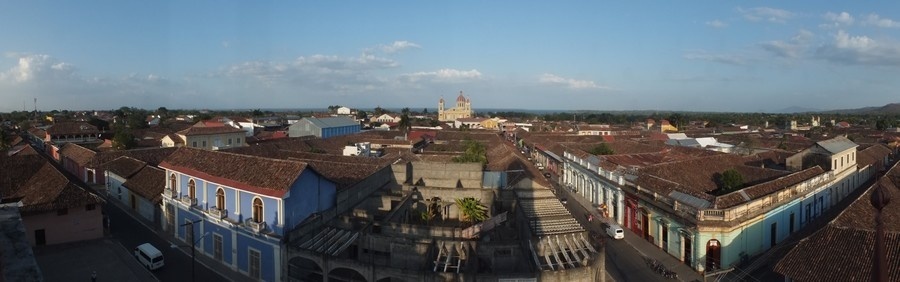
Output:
x=463 y=109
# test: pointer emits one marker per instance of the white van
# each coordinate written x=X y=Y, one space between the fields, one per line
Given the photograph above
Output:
x=149 y=256
x=615 y=231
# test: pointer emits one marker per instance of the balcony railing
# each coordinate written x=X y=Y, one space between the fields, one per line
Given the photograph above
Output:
x=170 y=193
x=188 y=201
x=256 y=226
x=217 y=213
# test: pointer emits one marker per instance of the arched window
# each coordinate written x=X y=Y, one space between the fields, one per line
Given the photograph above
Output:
x=172 y=182
x=257 y=210
x=192 y=191
x=220 y=199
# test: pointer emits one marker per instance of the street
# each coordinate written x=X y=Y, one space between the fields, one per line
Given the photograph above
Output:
x=624 y=261
x=130 y=233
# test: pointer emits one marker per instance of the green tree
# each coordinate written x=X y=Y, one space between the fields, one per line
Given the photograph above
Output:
x=361 y=114
x=475 y=153
x=405 y=111
x=731 y=180
x=123 y=139
x=404 y=123
x=379 y=111
x=257 y=113
x=602 y=149
x=425 y=111
x=4 y=141
x=101 y=125
x=162 y=112
x=471 y=210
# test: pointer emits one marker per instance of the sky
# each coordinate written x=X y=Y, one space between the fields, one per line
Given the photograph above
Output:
x=746 y=56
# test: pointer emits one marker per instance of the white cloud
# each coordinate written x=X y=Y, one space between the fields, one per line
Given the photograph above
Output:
x=766 y=14
x=317 y=72
x=729 y=59
x=717 y=24
x=442 y=75
x=398 y=46
x=876 y=20
x=549 y=78
x=35 y=67
x=860 y=50
x=792 y=48
x=843 y=18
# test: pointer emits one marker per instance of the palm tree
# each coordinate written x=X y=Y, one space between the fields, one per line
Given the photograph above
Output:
x=471 y=209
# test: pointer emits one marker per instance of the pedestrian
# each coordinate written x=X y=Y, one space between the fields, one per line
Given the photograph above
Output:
x=590 y=218
x=94 y=276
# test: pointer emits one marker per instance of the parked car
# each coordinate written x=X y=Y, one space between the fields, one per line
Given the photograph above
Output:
x=547 y=175
x=149 y=256
x=615 y=231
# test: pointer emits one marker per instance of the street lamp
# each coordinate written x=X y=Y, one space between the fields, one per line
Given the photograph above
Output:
x=193 y=244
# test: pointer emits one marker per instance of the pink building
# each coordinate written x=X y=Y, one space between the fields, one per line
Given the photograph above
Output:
x=55 y=209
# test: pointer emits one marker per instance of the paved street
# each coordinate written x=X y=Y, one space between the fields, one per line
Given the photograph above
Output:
x=625 y=258
x=130 y=233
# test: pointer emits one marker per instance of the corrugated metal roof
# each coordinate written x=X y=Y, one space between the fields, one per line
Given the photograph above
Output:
x=332 y=122
x=837 y=144
x=690 y=200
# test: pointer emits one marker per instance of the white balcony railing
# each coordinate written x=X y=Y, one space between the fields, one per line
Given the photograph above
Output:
x=217 y=213
x=256 y=226
x=188 y=201
x=170 y=193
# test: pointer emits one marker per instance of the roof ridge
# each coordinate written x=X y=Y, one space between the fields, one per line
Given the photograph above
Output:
x=245 y=156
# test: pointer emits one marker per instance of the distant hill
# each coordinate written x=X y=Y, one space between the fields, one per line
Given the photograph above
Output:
x=889 y=109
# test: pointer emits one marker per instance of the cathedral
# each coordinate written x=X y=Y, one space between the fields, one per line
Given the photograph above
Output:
x=463 y=109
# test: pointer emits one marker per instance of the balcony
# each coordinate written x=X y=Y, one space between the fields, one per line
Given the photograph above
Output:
x=170 y=193
x=255 y=226
x=188 y=201
x=217 y=213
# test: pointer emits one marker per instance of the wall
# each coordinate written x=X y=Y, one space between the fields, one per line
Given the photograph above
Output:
x=310 y=193
x=448 y=175
x=77 y=225
x=237 y=140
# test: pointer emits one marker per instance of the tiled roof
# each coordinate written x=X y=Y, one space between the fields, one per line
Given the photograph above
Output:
x=699 y=174
x=80 y=155
x=38 y=132
x=40 y=186
x=124 y=166
x=843 y=250
x=206 y=130
x=151 y=156
x=266 y=176
x=766 y=188
x=149 y=183
x=70 y=128
x=873 y=155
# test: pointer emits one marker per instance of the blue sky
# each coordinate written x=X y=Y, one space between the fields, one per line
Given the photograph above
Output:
x=565 y=55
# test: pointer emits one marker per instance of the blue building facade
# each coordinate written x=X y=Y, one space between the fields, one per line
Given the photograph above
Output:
x=324 y=127
x=241 y=225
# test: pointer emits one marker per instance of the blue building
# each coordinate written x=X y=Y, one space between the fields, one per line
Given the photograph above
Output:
x=324 y=127
x=239 y=208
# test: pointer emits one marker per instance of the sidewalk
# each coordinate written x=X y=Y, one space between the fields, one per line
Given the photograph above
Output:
x=642 y=246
